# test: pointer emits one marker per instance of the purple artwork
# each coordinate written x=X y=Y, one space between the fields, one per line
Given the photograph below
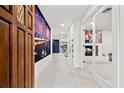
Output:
x=42 y=36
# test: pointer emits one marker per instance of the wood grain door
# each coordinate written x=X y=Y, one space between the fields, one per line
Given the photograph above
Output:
x=16 y=46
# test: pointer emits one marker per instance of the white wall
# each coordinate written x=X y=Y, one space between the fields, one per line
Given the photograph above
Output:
x=121 y=47
x=116 y=37
x=41 y=64
x=118 y=46
x=107 y=42
x=85 y=18
x=115 y=44
x=106 y=46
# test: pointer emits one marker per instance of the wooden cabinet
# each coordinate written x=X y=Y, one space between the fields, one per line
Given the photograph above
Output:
x=16 y=46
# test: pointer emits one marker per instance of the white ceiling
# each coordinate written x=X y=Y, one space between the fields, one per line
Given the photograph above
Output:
x=104 y=21
x=61 y=14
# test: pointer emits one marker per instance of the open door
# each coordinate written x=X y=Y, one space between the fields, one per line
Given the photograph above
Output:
x=16 y=46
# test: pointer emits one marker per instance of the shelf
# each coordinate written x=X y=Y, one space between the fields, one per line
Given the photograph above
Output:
x=38 y=42
x=39 y=39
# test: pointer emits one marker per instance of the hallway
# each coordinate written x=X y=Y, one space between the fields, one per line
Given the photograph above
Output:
x=59 y=73
x=61 y=46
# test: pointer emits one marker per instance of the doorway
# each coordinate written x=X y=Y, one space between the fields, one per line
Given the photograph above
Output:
x=55 y=46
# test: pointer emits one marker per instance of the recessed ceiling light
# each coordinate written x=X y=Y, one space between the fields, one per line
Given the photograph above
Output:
x=92 y=23
x=62 y=25
x=61 y=32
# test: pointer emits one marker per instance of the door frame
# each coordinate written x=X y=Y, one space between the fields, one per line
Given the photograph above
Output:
x=115 y=43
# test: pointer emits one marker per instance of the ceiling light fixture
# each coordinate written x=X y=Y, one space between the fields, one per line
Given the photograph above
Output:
x=92 y=23
x=62 y=25
x=62 y=33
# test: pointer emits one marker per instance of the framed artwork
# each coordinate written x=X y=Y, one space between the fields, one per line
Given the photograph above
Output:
x=98 y=36
x=42 y=36
x=88 y=36
x=38 y=23
x=88 y=51
x=48 y=33
x=40 y=50
x=97 y=50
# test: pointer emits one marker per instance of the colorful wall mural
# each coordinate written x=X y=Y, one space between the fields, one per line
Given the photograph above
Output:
x=42 y=36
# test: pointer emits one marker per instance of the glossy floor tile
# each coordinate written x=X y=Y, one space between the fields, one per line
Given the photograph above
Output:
x=59 y=73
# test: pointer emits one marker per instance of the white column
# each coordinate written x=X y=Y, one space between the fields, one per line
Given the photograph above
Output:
x=68 y=45
x=115 y=44
x=82 y=51
x=71 y=43
x=77 y=44
x=118 y=46
x=51 y=42
x=94 y=44
x=121 y=47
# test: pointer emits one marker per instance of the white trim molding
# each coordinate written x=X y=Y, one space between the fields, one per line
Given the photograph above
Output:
x=91 y=14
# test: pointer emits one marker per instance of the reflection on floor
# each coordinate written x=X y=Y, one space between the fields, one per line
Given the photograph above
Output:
x=60 y=74
x=105 y=71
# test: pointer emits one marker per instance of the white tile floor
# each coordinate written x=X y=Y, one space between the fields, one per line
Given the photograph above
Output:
x=105 y=71
x=59 y=73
